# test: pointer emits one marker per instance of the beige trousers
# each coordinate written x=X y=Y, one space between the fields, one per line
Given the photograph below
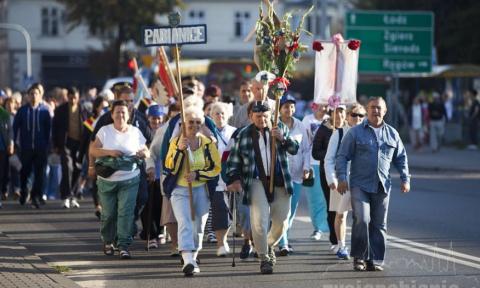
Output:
x=261 y=212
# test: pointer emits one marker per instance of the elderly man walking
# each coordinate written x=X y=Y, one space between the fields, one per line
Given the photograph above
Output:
x=372 y=147
x=248 y=168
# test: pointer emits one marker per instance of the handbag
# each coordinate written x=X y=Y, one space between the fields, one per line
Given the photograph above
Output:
x=104 y=171
x=169 y=183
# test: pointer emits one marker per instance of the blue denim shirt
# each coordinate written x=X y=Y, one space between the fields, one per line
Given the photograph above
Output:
x=371 y=158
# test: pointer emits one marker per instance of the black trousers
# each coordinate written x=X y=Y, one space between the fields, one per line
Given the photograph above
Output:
x=70 y=171
x=4 y=167
x=36 y=159
x=155 y=203
x=330 y=214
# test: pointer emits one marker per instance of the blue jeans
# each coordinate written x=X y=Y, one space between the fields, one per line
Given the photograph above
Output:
x=316 y=203
x=297 y=189
x=52 y=183
x=369 y=228
x=190 y=233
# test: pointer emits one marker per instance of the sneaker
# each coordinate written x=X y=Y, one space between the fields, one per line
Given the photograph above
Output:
x=334 y=249
x=246 y=251
x=108 y=249
x=188 y=269
x=74 y=203
x=266 y=267
x=316 y=235
x=153 y=244
x=271 y=255
x=223 y=251
x=124 y=254
x=342 y=253
x=66 y=203
x=371 y=266
x=35 y=203
x=358 y=264
x=196 y=269
x=211 y=238
x=284 y=251
x=161 y=239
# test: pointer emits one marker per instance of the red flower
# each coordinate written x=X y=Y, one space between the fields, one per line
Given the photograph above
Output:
x=317 y=46
x=354 y=44
x=293 y=47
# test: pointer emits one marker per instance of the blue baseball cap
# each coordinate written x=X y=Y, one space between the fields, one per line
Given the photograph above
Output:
x=156 y=111
x=287 y=98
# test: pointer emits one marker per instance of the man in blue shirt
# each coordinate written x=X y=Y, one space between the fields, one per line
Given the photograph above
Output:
x=371 y=147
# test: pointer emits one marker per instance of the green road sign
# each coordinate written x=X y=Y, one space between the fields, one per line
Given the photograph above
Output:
x=392 y=41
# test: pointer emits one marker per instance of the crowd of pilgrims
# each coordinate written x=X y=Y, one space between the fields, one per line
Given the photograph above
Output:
x=132 y=158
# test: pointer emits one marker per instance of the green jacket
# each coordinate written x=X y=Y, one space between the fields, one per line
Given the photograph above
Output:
x=6 y=131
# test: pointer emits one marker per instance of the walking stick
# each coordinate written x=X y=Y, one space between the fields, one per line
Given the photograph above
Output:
x=149 y=214
x=234 y=231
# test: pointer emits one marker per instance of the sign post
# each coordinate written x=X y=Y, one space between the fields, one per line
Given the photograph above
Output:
x=173 y=36
x=392 y=41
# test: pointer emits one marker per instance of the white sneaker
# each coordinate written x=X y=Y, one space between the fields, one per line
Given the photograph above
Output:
x=161 y=239
x=334 y=249
x=66 y=203
x=223 y=251
x=316 y=235
x=196 y=269
x=74 y=203
x=153 y=244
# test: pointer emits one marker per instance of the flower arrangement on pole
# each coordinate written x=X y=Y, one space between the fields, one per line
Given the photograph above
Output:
x=278 y=47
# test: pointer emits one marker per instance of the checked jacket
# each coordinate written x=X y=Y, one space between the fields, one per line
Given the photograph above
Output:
x=241 y=161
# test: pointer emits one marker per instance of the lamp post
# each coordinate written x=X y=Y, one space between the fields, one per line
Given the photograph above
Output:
x=26 y=35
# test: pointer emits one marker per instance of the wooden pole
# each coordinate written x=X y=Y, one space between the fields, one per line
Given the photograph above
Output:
x=273 y=140
x=184 y=128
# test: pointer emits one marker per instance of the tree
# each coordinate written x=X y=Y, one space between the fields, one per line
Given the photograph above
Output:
x=121 y=20
x=457 y=37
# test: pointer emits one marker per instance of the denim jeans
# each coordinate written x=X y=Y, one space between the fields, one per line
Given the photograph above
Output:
x=316 y=203
x=190 y=233
x=369 y=228
x=52 y=183
x=297 y=189
x=118 y=204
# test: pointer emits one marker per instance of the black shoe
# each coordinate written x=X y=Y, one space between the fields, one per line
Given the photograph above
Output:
x=98 y=214
x=284 y=251
x=359 y=265
x=188 y=269
x=266 y=267
x=124 y=254
x=41 y=201
x=271 y=255
x=370 y=266
x=246 y=251
x=22 y=200
x=35 y=203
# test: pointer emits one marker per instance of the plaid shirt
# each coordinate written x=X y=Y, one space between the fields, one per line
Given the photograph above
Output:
x=241 y=161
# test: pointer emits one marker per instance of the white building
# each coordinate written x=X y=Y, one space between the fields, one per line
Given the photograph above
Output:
x=58 y=55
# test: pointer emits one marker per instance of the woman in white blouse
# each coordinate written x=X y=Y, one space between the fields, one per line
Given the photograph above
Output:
x=340 y=203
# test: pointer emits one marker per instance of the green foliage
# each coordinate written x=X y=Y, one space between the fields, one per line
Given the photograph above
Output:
x=457 y=37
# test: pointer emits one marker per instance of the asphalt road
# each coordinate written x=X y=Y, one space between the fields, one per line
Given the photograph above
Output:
x=435 y=243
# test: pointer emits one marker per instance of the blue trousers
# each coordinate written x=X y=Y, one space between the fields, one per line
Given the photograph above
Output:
x=369 y=229
x=316 y=203
x=297 y=190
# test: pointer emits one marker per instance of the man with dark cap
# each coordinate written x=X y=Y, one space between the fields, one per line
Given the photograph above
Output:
x=248 y=169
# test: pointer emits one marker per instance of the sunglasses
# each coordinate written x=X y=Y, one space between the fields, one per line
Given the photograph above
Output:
x=357 y=115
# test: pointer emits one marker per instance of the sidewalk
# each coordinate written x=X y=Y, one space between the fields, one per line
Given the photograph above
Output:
x=19 y=267
x=447 y=159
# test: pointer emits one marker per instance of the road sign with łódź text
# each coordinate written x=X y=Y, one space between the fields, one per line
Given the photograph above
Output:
x=166 y=36
x=392 y=41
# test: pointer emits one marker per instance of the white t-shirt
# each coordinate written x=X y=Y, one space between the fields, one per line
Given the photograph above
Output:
x=128 y=143
x=311 y=123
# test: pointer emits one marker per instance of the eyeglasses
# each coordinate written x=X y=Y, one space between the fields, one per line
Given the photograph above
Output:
x=357 y=115
x=193 y=122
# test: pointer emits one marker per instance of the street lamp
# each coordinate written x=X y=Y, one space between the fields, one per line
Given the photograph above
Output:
x=26 y=35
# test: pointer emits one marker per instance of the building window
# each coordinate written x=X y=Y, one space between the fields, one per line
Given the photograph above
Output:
x=242 y=19
x=50 y=21
x=196 y=17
